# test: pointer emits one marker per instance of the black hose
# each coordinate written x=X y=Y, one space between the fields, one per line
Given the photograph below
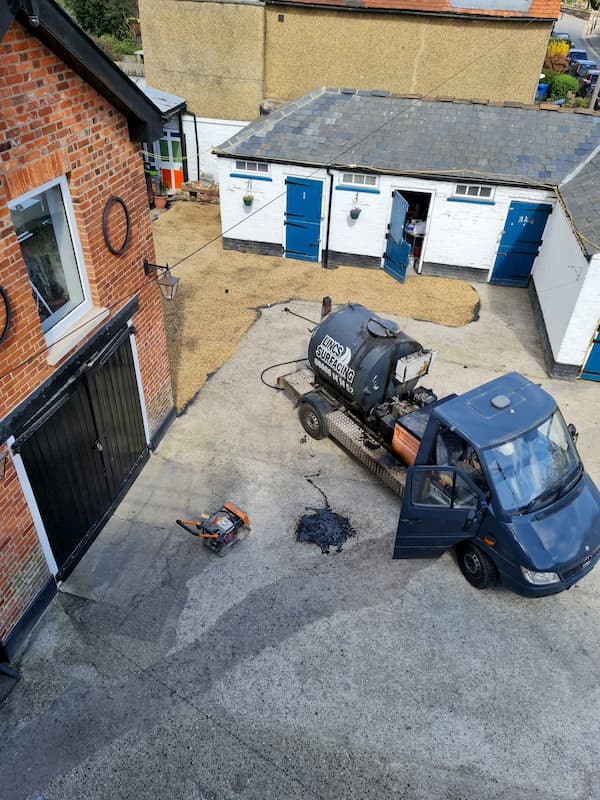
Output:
x=282 y=364
x=289 y=311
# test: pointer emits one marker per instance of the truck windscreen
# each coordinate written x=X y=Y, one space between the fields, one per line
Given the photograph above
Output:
x=534 y=469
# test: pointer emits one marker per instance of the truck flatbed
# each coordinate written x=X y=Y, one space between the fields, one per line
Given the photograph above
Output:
x=348 y=431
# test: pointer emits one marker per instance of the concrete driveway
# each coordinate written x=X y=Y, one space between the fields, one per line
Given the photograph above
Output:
x=277 y=672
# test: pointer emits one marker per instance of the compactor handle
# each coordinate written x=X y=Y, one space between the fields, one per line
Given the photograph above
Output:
x=186 y=523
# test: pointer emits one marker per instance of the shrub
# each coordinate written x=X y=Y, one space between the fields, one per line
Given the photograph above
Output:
x=561 y=85
x=549 y=76
x=113 y=47
x=556 y=56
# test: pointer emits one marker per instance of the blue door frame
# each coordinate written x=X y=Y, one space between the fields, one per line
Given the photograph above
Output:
x=303 y=218
x=591 y=371
x=520 y=243
x=397 y=251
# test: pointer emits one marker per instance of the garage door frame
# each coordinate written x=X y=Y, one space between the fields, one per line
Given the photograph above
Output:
x=17 y=422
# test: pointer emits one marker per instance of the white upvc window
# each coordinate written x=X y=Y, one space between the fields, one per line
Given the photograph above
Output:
x=475 y=190
x=45 y=226
x=251 y=166
x=359 y=179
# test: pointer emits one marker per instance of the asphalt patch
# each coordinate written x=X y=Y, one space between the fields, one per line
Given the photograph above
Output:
x=324 y=528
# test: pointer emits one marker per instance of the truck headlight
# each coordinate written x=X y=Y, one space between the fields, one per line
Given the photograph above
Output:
x=540 y=578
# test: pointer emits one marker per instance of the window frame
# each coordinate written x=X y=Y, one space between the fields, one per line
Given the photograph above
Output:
x=252 y=172
x=63 y=326
x=466 y=195
x=356 y=184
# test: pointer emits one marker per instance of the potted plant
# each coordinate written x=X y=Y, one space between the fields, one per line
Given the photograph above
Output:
x=355 y=212
x=248 y=199
x=160 y=196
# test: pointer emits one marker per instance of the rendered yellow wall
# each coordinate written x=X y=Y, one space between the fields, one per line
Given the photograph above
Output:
x=209 y=53
x=224 y=58
x=495 y=60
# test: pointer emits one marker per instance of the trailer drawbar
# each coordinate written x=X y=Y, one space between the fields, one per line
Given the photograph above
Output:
x=493 y=473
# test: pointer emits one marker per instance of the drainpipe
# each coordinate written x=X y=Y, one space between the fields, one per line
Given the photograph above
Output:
x=326 y=249
x=197 y=143
x=182 y=139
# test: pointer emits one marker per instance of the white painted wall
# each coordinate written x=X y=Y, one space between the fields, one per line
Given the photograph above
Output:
x=211 y=133
x=585 y=319
x=458 y=233
x=568 y=288
x=263 y=220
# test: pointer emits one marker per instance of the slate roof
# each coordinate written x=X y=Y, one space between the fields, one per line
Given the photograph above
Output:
x=169 y=104
x=537 y=146
x=582 y=199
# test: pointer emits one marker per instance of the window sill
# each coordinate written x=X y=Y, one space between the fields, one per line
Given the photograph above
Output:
x=84 y=325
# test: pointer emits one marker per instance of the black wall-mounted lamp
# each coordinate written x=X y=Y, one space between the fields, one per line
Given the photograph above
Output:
x=167 y=283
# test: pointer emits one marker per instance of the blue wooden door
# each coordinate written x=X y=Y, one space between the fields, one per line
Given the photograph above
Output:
x=397 y=251
x=591 y=371
x=303 y=218
x=520 y=243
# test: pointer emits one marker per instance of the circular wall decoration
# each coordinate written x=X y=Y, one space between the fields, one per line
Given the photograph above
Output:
x=116 y=202
x=5 y=315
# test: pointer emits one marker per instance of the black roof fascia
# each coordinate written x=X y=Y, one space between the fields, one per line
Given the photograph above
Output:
x=67 y=40
x=497 y=180
x=8 y=12
x=410 y=12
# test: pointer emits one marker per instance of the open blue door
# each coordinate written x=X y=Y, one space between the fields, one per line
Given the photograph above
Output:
x=397 y=251
x=591 y=371
x=303 y=218
x=520 y=243
x=440 y=508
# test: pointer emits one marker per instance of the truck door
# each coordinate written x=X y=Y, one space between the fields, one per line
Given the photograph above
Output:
x=440 y=508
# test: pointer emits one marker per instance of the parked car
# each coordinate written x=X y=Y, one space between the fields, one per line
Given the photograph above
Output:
x=575 y=54
x=580 y=67
x=560 y=36
x=590 y=81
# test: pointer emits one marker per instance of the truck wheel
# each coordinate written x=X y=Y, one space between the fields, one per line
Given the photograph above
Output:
x=313 y=416
x=477 y=567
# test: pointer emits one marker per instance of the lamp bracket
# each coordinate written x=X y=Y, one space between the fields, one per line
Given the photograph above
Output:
x=149 y=268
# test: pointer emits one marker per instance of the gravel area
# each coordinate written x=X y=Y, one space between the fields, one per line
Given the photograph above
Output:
x=221 y=292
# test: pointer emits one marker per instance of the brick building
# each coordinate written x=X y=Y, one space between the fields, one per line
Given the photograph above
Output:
x=85 y=388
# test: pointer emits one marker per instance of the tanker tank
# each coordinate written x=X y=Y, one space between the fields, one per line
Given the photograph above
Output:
x=365 y=359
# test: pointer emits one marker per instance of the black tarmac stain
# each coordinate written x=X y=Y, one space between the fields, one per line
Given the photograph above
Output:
x=324 y=527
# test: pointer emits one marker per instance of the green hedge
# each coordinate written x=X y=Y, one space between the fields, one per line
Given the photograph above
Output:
x=561 y=85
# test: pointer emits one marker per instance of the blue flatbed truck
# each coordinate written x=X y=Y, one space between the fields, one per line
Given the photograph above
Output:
x=493 y=473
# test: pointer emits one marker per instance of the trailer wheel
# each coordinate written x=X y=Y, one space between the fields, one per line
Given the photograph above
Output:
x=477 y=567
x=313 y=416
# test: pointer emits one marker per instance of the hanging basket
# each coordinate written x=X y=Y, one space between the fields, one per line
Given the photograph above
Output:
x=355 y=212
x=248 y=199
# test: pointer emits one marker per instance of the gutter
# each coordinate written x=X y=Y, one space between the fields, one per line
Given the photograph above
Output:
x=325 y=252
x=443 y=175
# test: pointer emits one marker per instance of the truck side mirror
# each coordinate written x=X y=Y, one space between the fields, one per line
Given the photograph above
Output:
x=573 y=432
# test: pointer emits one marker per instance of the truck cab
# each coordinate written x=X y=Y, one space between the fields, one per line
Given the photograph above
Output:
x=497 y=476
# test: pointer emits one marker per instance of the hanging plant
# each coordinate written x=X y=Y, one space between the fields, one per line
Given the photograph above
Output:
x=248 y=199
x=355 y=212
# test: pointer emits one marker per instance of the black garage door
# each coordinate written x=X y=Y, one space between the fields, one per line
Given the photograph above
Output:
x=84 y=451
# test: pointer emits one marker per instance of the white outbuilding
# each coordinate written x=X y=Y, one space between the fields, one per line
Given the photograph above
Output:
x=506 y=193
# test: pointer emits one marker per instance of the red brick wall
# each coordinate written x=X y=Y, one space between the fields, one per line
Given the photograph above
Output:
x=52 y=123
x=23 y=569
